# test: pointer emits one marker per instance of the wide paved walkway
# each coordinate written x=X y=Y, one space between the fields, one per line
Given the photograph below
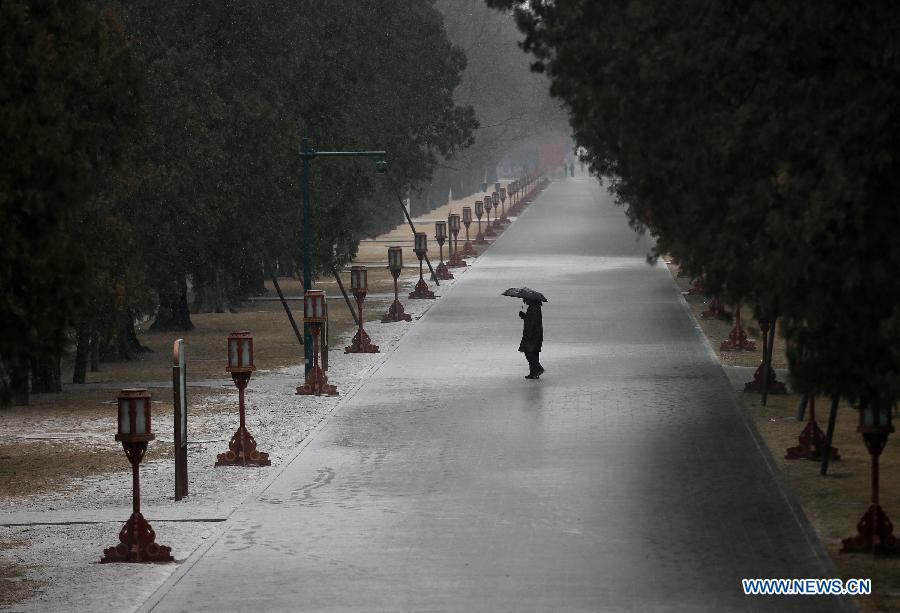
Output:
x=624 y=480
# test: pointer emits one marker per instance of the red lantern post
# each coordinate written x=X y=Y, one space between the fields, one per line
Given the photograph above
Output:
x=440 y=235
x=468 y=249
x=773 y=385
x=315 y=315
x=812 y=439
x=242 y=446
x=456 y=259
x=395 y=265
x=479 y=212
x=488 y=205
x=874 y=533
x=137 y=540
x=495 y=201
x=503 y=217
x=359 y=285
x=737 y=340
x=421 y=290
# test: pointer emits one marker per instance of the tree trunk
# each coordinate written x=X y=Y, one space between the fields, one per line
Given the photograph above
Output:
x=45 y=375
x=82 y=352
x=95 y=351
x=173 y=312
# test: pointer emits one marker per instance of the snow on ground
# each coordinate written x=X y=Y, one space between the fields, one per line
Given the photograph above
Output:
x=65 y=531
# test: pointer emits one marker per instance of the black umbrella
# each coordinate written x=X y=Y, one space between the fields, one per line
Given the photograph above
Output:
x=525 y=293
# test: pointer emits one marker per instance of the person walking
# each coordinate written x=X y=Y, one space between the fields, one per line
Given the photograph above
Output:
x=532 y=338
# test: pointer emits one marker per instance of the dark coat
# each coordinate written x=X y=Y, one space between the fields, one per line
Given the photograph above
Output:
x=533 y=331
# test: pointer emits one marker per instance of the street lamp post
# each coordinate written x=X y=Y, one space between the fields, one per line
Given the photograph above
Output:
x=456 y=260
x=488 y=205
x=359 y=285
x=503 y=217
x=495 y=201
x=395 y=265
x=242 y=446
x=137 y=540
x=307 y=154
x=468 y=249
x=315 y=315
x=479 y=212
x=440 y=235
x=874 y=533
x=421 y=290
x=737 y=339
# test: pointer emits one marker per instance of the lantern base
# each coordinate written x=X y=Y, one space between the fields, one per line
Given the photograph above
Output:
x=479 y=239
x=498 y=225
x=505 y=220
x=468 y=250
x=874 y=534
x=774 y=386
x=457 y=261
x=317 y=384
x=137 y=544
x=442 y=272
x=421 y=291
x=395 y=313
x=812 y=442
x=737 y=340
x=361 y=344
x=242 y=451
x=490 y=231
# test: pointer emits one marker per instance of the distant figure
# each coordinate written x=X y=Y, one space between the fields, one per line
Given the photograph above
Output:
x=572 y=168
x=532 y=338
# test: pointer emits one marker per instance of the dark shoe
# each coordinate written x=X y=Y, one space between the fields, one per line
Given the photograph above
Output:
x=542 y=370
x=532 y=376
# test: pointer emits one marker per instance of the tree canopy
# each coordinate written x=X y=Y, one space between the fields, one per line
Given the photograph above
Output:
x=758 y=141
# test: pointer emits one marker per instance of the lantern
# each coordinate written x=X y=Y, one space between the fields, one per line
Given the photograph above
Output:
x=421 y=244
x=359 y=279
x=440 y=231
x=875 y=418
x=502 y=194
x=315 y=307
x=240 y=352
x=488 y=204
x=453 y=220
x=495 y=198
x=497 y=186
x=467 y=215
x=395 y=259
x=479 y=209
x=134 y=416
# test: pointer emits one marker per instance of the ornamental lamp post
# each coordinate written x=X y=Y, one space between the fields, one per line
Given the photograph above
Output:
x=468 y=249
x=137 y=540
x=503 y=217
x=395 y=265
x=479 y=212
x=874 y=533
x=242 y=446
x=359 y=285
x=440 y=235
x=456 y=260
x=488 y=205
x=495 y=201
x=315 y=315
x=421 y=290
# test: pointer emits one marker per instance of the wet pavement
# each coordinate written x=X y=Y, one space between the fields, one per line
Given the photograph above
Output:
x=626 y=479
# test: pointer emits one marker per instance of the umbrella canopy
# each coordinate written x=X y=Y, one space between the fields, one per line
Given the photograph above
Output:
x=525 y=293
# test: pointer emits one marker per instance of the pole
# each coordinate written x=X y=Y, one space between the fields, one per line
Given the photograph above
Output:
x=337 y=278
x=287 y=310
x=767 y=359
x=801 y=410
x=829 y=434
x=307 y=251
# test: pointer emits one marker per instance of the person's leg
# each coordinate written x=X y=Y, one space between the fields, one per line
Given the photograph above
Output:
x=532 y=364
x=537 y=363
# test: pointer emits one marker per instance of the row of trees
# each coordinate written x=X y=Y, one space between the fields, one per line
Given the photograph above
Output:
x=149 y=146
x=760 y=143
